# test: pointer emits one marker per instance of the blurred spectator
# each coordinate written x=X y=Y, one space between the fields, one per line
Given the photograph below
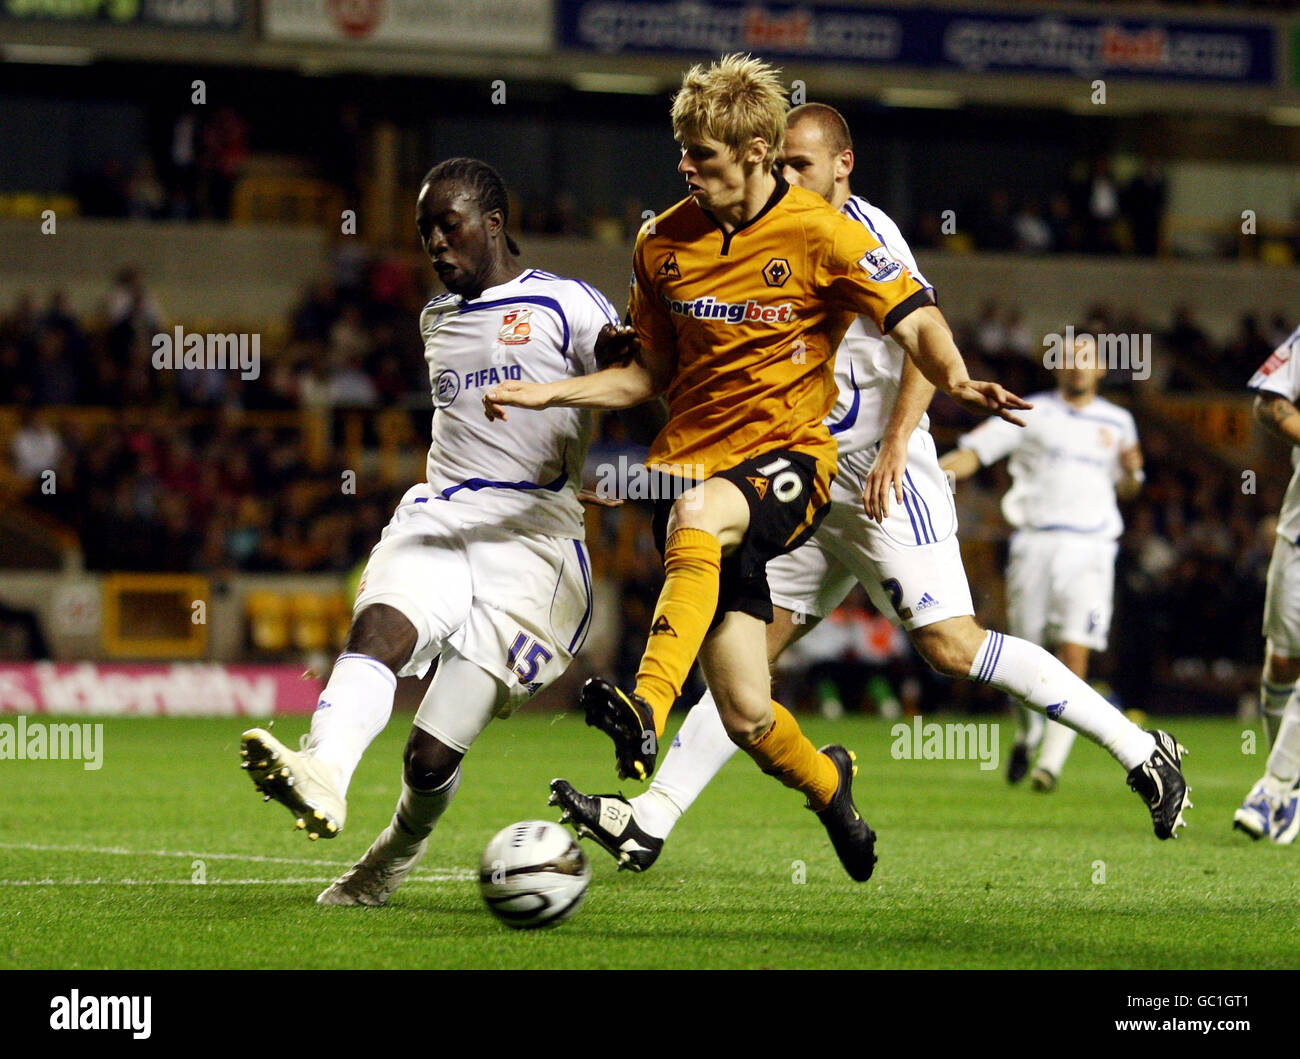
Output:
x=133 y=314
x=1033 y=233
x=1144 y=204
x=1248 y=348
x=1098 y=203
x=54 y=373
x=36 y=447
x=221 y=161
x=990 y=333
x=349 y=336
x=351 y=387
x=994 y=226
x=145 y=197
x=315 y=314
x=1067 y=232
x=183 y=171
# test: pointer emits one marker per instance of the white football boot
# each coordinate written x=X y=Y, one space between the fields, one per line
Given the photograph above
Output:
x=297 y=780
x=372 y=880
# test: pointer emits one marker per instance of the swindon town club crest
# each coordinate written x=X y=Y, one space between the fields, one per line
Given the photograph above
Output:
x=515 y=327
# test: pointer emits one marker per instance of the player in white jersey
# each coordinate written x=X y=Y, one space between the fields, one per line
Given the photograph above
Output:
x=1270 y=809
x=905 y=555
x=1076 y=455
x=483 y=565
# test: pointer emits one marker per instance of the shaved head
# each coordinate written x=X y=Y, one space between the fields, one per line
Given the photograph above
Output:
x=834 y=129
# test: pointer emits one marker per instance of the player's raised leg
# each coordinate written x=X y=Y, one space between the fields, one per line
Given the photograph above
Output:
x=709 y=518
x=353 y=708
x=958 y=648
x=458 y=705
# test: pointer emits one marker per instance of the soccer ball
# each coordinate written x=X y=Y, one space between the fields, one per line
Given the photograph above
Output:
x=533 y=875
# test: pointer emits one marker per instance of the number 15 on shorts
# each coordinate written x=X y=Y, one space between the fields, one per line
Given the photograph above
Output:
x=526 y=657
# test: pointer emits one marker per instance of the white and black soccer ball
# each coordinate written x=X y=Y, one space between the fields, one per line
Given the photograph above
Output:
x=533 y=874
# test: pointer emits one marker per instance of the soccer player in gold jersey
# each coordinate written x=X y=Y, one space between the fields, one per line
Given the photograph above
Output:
x=741 y=294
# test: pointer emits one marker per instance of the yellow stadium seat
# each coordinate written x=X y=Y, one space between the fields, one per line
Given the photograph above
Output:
x=268 y=621
x=340 y=612
x=311 y=624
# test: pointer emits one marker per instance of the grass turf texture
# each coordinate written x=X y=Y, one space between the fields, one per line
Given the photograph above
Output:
x=972 y=873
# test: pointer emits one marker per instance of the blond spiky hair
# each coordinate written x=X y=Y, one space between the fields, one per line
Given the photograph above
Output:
x=734 y=100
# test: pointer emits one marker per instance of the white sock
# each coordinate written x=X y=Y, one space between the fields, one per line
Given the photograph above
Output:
x=417 y=814
x=351 y=711
x=1057 y=741
x=1029 y=727
x=1041 y=680
x=701 y=748
x=1272 y=702
x=1284 y=758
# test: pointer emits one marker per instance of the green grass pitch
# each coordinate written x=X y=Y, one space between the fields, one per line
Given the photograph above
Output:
x=97 y=867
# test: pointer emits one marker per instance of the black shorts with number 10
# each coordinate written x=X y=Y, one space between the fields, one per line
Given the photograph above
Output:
x=787 y=499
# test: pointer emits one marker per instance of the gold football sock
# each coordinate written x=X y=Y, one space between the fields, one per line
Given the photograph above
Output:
x=785 y=752
x=687 y=602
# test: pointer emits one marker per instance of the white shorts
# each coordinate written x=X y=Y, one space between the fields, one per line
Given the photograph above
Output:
x=1282 y=599
x=517 y=605
x=1060 y=588
x=910 y=564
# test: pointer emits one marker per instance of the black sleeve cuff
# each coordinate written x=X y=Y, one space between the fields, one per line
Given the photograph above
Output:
x=907 y=306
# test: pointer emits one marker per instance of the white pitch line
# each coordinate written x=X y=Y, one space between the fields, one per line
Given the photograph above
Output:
x=440 y=878
x=120 y=851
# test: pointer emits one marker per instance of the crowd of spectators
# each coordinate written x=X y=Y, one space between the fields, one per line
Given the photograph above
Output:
x=349 y=344
x=1184 y=356
x=193 y=178
x=1096 y=213
x=216 y=497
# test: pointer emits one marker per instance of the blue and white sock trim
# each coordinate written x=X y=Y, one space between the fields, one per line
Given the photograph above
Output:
x=374 y=663
x=990 y=653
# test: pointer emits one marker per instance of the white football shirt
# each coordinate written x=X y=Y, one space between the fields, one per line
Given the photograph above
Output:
x=524 y=472
x=1280 y=374
x=1064 y=463
x=868 y=365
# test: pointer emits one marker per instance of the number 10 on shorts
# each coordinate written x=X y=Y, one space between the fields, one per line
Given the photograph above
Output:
x=530 y=656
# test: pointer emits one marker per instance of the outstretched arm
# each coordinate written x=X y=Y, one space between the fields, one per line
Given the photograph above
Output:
x=611 y=388
x=641 y=376
x=924 y=335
